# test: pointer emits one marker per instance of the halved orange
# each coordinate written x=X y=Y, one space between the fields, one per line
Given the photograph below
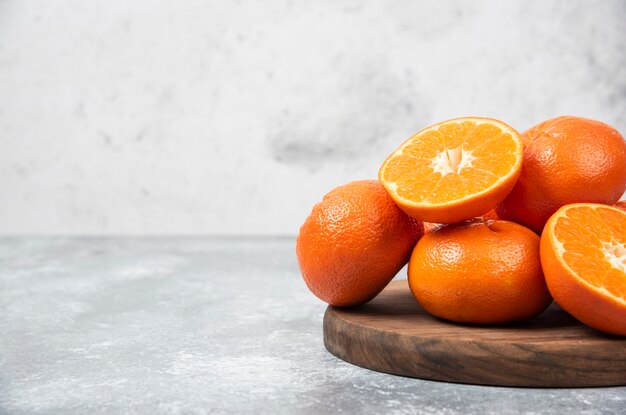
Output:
x=454 y=170
x=583 y=256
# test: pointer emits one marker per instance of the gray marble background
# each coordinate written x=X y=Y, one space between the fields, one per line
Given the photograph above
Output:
x=196 y=325
x=161 y=117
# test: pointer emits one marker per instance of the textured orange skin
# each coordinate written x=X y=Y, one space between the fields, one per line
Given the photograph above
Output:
x=354 y=242
x=599 y=311
x=484 y=272
x=566 y=160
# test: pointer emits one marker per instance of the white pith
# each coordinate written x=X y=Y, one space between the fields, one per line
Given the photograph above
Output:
x=615 y=253
x=559 y=247
x=452 y=160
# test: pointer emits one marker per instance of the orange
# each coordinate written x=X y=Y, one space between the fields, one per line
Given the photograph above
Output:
x=621 y=204
x=482 y=272
x=454 y=170
x=566 y=160
x=353 y=243
x=583 y=254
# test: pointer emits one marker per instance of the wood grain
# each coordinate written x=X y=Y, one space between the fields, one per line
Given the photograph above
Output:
x=393 y=334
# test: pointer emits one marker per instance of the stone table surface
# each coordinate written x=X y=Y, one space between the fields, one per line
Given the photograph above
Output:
x=201 y=325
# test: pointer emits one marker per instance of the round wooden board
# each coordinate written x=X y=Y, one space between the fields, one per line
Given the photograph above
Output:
x=393 y=334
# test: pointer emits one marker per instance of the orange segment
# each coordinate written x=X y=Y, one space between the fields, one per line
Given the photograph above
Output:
x=454 y=170
x=583 y=254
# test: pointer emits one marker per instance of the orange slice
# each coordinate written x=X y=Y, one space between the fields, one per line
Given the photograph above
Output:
x=583 y=255
x=454 y=170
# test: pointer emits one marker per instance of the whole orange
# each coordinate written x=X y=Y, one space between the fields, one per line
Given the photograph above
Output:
x=566 y=160
x=354 y=242
x=621 y=204
x=482 y=272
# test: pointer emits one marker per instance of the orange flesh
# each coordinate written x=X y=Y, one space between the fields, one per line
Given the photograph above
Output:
x=595 y=251
x=473 y=155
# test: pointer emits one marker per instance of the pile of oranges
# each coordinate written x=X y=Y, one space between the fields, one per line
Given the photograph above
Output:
x=494 y=224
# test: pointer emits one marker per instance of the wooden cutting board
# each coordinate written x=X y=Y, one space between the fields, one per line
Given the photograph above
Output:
x=393 y=334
